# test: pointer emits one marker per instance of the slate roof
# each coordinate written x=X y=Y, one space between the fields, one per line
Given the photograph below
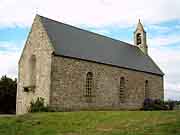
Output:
x=77 y=43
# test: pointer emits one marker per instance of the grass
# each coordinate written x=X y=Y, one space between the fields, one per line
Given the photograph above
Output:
x=93 y=123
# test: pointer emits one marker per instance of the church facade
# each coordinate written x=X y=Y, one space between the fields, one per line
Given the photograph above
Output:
x=74 y=69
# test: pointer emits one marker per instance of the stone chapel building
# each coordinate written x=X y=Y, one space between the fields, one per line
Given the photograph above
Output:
x=74 y=69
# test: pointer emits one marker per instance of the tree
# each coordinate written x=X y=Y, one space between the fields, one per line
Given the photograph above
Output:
x=8 y=88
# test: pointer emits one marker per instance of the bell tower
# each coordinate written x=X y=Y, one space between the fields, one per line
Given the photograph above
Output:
x=140 y=38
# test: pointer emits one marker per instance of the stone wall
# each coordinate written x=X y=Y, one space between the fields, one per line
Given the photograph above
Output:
x=38 y=45
x=69 y=79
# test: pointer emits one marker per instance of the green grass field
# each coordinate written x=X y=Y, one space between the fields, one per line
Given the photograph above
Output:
x=93 y=123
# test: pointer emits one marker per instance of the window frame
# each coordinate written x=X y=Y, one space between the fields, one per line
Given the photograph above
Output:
x=89 y=84
x=146 y=89
x=122 y=90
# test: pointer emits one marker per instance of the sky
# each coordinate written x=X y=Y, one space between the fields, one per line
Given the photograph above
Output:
x=113 y=18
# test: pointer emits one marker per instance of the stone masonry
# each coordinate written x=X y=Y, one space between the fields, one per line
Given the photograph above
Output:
x=69 y=78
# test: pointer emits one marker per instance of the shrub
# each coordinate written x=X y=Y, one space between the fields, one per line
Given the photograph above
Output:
x=38 y=105
x=147 y=104
x=156 y=104
x=171 y=104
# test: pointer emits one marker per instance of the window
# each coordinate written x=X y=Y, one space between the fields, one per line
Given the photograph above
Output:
x=31 y=74
x=32 y=71
x=29 y=89
x=138 y=38
x=146 y=89
x=122 y=90
x=89 y=84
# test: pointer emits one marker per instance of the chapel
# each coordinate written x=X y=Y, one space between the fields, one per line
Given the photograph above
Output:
x=75 y=69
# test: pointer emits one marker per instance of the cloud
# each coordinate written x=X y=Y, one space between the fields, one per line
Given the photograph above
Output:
x=7 y=46
x=169 y=61
x=9 y=56
x=177 y=27
x=160 y=29
x=165 y=40
x=9 y=64
x=94 y=12
x=101 y=31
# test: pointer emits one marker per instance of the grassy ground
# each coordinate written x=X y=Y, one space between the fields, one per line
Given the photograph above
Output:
x=93 y=123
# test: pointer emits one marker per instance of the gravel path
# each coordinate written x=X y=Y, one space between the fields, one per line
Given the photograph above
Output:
x=7 y=115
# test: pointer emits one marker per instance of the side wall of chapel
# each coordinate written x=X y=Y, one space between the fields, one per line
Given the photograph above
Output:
x=68 y=87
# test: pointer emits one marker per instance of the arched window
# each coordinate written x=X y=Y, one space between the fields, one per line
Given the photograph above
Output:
x=30 y=75
x=32 y=70
x=138 y=38
x=146 y=89
x=122 y=89
x=89 y=84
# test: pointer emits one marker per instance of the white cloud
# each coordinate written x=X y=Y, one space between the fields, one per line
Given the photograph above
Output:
x=165 y=40
x=177 y=27
x=159 y=28
x=9 y=64
x=169 y=61
x=6 y=46
x=101 y=31
x=9 y=56
x=92 y=12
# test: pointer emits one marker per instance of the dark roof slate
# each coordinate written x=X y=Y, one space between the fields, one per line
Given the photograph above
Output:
x=77 y=43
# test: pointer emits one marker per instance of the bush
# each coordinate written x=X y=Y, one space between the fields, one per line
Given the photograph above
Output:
x=156 y=104
x=38 y=105
x=147 y=104
x=171 y=104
